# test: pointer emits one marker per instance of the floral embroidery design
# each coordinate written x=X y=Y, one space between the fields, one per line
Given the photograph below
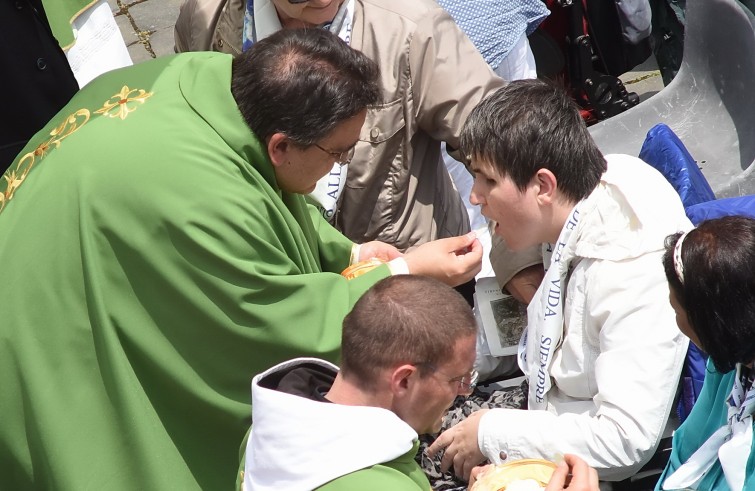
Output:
x=15 y=177
x=123 y=103
x=118 y=106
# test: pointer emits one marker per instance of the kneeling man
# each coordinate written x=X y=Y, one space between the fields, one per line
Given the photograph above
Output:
x=408 y=348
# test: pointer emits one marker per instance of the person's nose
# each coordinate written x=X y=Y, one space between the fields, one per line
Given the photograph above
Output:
x=474 y=197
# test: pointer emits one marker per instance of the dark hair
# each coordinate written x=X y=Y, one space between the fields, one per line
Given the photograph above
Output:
x=303 y=83
x=718 y=291
x=403 y=319
x=529 y=125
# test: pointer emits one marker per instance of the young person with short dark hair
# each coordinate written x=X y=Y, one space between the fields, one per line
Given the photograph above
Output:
x=601 y=351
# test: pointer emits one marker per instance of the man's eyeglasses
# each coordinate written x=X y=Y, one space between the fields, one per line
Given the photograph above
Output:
x=342 y=158
x=467 y=383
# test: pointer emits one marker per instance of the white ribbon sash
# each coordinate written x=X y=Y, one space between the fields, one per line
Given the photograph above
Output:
x=730 y=445
x=329 y=187
x=546 y=314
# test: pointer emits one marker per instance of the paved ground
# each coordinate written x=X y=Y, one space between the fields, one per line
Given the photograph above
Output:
x=645 y=79
x=146 y=25
x=147 y=28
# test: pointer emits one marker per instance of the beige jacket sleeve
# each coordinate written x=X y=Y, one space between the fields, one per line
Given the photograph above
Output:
x=507 y=263
x=449 y=76
x=209 y=25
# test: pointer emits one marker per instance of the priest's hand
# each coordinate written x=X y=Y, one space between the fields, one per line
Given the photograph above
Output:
x=453 y=261
x=379 y=250
x=460 y=444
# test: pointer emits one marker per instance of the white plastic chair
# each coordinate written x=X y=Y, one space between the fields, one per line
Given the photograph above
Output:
x=710 y=104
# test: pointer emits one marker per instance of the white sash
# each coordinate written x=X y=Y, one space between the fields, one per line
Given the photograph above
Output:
x=730 y=444
x=329 y=187
x=546 y=313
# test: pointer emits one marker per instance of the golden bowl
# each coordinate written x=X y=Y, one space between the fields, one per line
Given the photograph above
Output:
x=501 y=476
x=360 y=268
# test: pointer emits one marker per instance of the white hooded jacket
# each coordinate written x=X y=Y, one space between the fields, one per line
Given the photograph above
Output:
x=616 y=371
x=300 y=444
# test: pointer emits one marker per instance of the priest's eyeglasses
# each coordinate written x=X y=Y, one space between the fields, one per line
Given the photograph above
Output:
x=343 y=158
x=467 y=383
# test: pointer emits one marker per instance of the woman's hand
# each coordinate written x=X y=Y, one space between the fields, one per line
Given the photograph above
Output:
x=476 y=473
x=573 y=474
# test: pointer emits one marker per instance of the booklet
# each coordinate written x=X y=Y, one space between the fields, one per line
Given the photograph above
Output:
x=503 y=317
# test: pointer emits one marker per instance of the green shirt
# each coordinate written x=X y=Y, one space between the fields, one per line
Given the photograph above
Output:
x=149 y=267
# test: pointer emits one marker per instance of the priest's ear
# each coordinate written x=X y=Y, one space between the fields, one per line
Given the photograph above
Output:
x=278 y=146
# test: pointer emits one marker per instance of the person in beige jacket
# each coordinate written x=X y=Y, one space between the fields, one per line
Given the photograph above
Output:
x=397 y=189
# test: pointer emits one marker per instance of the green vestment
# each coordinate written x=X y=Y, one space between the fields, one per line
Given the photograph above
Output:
x=400 y=474
x=149 y=267
x=61 y=14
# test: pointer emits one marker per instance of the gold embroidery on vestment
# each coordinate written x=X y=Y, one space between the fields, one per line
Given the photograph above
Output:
x=15 y=177
x=123 y=103
x=118 y=106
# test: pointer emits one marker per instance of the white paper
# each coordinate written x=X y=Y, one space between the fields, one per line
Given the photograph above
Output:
x=502 y=317
x=99 y=45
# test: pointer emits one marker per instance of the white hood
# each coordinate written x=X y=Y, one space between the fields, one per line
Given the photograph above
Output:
x=299 y=444
x=624 y=217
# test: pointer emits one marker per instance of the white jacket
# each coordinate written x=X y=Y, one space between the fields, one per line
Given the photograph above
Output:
x=299 y=444
x=616 y=372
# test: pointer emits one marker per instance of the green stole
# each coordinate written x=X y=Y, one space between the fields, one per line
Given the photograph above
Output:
x=61 y=14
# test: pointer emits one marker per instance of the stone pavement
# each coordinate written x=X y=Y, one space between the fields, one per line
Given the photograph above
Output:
x=147 y=28
x=644 y=79
x=146 y=25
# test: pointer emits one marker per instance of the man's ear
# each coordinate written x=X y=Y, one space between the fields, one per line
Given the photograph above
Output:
x=547 y=186
x=403 y=379
x=278 y=146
